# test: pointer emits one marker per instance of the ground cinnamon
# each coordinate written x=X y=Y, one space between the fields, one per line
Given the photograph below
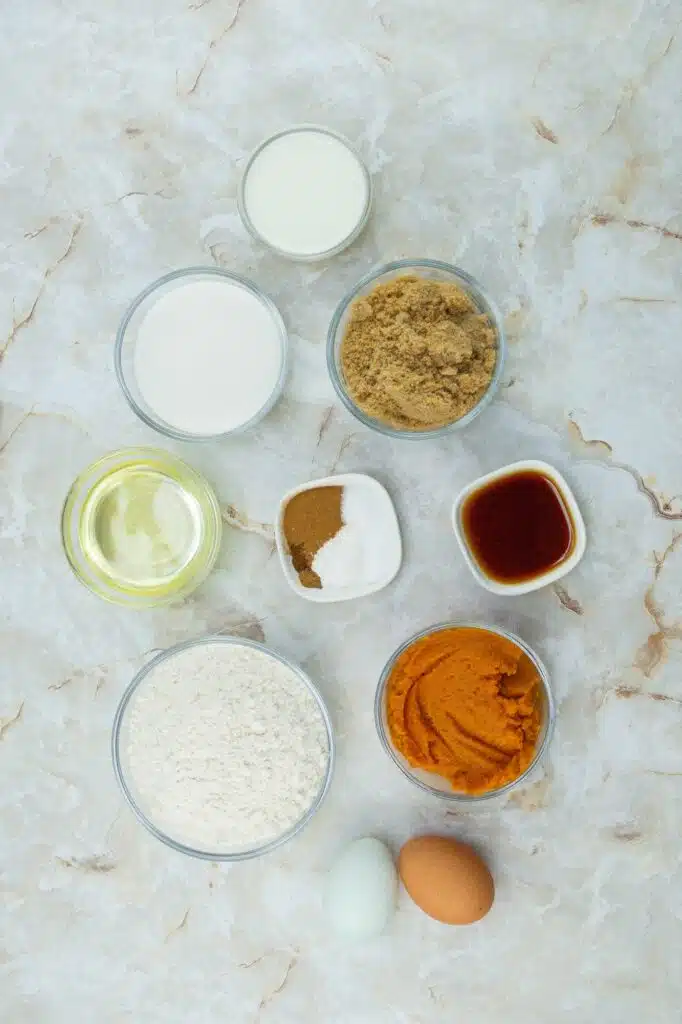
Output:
x=465 y=704
x=311 y=518
x=417 y=354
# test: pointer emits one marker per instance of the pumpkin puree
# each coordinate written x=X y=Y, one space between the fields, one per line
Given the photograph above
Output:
x=466 y=704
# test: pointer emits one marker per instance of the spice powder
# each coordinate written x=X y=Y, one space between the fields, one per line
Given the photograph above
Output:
x=417 y=354
x=311 y=518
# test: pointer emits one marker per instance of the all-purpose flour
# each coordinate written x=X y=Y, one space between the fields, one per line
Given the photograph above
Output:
x=224 y=747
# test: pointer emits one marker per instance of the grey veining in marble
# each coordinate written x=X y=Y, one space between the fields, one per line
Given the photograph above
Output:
x=537 y=145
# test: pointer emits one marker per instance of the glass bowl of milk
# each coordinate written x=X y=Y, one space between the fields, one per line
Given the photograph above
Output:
x=305 y=193
x=201 y=353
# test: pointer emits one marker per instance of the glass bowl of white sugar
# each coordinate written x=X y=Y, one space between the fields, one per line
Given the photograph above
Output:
x=305 y=193
x=200 y=354
x=223 y=749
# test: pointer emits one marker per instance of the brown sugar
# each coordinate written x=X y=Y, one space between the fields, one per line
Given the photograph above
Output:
x=417 y=354
x=311 y=518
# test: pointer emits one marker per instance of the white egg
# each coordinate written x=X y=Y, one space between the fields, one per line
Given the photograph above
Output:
x=361 y=890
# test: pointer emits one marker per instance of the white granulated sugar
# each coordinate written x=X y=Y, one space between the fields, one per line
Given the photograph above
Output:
x=208 y=356
x=225 y=747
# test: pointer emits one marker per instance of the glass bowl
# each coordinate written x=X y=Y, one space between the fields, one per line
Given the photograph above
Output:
x=85 y=517
x=124 y=349
x=119 y=760
x=304 y=257
x=434 y=270
x=429 y=781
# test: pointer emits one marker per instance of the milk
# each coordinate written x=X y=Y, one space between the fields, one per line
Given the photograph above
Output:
x=306 y=193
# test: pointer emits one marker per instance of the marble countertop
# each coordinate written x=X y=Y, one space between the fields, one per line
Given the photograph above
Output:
x=537 y=146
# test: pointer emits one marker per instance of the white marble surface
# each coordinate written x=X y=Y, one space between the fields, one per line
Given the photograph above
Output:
x=537 y=145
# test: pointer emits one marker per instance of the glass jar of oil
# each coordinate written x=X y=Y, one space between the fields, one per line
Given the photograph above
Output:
x=140 y=527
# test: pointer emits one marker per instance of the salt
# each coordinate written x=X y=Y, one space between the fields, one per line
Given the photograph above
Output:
x=362 y=553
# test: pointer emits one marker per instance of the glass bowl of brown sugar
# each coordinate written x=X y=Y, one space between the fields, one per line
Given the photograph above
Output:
x=416 y=349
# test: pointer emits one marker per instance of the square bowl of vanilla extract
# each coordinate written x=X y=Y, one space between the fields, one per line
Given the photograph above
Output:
x=519 y=528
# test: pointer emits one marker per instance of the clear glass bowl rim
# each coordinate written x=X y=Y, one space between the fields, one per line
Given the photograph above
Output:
x=305 y=257
x=396 y=267
x=175 y=275
x=454 y=797
x=119 y=772
x=78 y=490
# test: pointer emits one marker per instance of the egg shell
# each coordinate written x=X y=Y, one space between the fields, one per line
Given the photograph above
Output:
x=446 y=879
x=361 y=889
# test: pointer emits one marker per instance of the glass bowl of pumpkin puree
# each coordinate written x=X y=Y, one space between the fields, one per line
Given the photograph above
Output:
x=465 y=711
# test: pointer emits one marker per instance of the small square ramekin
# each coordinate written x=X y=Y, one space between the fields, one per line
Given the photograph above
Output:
x=526 y=586
x=391 y=528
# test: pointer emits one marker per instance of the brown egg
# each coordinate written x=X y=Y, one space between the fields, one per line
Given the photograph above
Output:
x=446 y=879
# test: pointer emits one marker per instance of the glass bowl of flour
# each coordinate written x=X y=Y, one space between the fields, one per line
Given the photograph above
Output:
x=223 y=749
x=201 y=354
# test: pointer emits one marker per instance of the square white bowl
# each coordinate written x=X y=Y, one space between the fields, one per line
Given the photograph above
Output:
x=388 y=526
x=525 y=587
